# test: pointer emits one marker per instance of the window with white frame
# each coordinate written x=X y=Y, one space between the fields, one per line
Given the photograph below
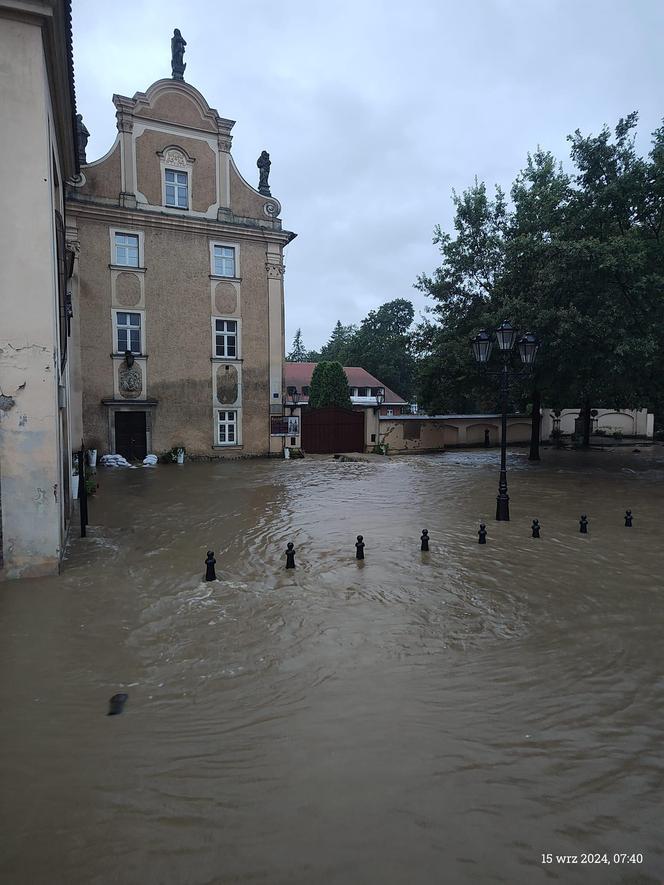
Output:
x=226 y=427
x=224 y=261
x=126 y=249
x=177 y=189
x=225 y=338
x=390 y=412
x=128 y=329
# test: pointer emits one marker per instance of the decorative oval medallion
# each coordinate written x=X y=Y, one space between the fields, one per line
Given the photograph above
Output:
x=225 y=298
x=127 y=289
x=227 y=385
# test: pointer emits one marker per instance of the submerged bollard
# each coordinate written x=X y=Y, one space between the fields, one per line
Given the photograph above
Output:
x=536 y=528
x=425 y=540
x=116 y=704
x=583 y=524
x=628 y=518
x=482 y=534
x=290 y=555
x=359 y=548
x=210 y=574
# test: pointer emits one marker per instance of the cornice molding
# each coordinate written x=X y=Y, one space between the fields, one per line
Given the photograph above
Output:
x=113 y=215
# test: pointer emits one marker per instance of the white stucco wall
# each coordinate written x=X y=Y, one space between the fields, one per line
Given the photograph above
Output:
x=30 y=470
x=630 y=422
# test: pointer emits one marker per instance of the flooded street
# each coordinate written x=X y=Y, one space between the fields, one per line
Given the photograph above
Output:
x=417 y=718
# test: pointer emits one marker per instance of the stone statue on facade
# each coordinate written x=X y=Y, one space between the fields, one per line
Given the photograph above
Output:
x=82 y=136
x=263 y=163
x=177 y=55
x=130 y=380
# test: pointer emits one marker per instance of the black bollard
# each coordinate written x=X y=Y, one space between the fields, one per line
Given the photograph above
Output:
x=290 y=555
x=536 y=528
x=583 y=524
x=116 y=704
x=628 y=518
x=359 y=548
x=487 y=439
x=210 y=574
x=425 y=540
x=482 y=534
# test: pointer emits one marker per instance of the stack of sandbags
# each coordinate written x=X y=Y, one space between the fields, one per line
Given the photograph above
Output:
x=150 y=460
x=114 y=461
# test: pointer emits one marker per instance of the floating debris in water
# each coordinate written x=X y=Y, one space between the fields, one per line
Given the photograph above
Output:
x=116 y=703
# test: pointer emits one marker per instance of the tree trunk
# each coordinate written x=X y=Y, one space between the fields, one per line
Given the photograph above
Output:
x=535 y=424
x=587 y=420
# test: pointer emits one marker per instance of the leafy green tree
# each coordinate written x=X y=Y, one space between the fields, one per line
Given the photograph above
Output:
x=383 y=346
x=578 y=259
x=329 y=386
x=466 y=296
x=298 y=353
x=336 y=349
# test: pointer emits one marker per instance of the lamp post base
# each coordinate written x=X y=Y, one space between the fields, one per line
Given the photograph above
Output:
x=503 y=508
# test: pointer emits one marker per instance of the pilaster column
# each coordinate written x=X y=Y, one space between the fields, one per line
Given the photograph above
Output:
x=274 y=269
x=125 y=122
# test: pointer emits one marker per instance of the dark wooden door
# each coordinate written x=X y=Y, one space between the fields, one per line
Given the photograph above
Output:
x=332 y=430
x=130 y=435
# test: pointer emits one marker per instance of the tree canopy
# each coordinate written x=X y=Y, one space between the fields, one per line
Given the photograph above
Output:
x=298 y=353
x=576 y=258
x=329 y=386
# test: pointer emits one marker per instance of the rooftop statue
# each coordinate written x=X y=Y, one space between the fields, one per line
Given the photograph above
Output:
x=263 y=163
x=82 y=136
x=177 y=55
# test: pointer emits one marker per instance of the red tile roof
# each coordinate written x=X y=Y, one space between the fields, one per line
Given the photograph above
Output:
x=299 y=375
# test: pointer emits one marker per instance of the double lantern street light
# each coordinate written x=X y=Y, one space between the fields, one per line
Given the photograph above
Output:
x=528 y=344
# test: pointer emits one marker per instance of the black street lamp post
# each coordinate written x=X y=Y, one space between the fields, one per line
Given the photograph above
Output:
x=380 y=399
x=482 y=344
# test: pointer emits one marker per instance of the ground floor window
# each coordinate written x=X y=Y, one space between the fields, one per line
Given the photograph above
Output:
x=226 y=427
x=226 y=338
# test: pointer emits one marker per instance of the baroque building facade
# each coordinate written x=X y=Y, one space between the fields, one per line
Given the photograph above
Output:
x=180 y=284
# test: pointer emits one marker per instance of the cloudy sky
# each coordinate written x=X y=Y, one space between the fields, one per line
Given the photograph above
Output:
x=374 y=111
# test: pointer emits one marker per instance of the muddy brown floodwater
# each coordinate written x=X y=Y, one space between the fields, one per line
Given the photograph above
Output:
x=415 y=719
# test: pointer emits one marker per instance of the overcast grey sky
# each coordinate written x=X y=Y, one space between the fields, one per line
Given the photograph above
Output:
x=373 y=111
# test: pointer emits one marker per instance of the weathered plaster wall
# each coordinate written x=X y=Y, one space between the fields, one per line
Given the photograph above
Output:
x=434 y=434
x=178 y=337
x=29 y=434
x=95 y=329
x=170 y=107
x=245 y=202
x=148 y=169
x=102 y=179
x=630 y=422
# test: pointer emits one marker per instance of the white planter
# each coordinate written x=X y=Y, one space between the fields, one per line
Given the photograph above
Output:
x=180 y=456
x=92 y=457
x=74 y=485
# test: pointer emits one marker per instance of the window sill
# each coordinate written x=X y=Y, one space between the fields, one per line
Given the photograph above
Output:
x=177 y=208
x=129 y=267
x=227 y=446
x=217 y=276
x=226 y=359
x=121 y=356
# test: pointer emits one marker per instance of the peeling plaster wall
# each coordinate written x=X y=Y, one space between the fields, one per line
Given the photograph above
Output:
x=429 y=434
x=29 y=421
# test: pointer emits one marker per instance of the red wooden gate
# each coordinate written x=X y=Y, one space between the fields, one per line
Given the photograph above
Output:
x=330 y=430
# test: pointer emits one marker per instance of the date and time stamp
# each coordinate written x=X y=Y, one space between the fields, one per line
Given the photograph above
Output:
x=592 y=858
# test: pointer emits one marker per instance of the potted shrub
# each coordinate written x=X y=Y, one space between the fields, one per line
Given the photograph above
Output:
x=74 y=475
x=91 y=453
x=178 y=454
